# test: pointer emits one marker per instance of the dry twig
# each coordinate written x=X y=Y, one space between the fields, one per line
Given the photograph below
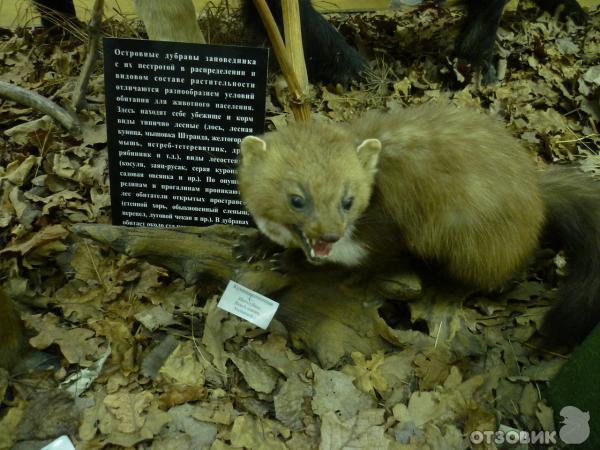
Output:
x=79 y=102
x=301 y=109
x=40 y=103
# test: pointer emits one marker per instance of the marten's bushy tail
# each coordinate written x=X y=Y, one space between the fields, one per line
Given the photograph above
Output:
x=572 y=202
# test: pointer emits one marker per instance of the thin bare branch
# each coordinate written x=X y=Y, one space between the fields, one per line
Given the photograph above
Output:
x=40 y=103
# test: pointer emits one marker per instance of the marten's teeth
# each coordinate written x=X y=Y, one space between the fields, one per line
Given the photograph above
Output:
x=319 y=248
x=314 y=248
x=311 y=244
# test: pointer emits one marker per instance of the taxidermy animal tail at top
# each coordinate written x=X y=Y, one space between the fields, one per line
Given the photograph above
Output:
x=572 y=203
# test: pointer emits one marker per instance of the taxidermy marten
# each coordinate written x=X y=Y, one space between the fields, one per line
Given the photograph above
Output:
x=448 y=186
x=12 y=339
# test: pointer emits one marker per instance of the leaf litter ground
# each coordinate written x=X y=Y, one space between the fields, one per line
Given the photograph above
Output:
x=152 y=363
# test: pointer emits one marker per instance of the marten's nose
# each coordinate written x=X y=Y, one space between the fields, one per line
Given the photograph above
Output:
x=330 y=237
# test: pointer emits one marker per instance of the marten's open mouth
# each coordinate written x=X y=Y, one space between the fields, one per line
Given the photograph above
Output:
x=316 y=250
x=319 y=248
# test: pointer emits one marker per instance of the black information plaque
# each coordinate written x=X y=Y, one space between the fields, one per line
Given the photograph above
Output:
x=175 y=115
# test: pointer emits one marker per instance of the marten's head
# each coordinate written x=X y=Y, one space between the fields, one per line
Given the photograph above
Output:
x=306 y=185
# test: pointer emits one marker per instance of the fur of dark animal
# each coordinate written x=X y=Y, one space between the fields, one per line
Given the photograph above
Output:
x=12 y=339
x=54 y=11
x=572 y=203
x=329 y=58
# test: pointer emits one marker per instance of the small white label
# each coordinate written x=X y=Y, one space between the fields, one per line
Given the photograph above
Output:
x=248 y=305
x=62 y=443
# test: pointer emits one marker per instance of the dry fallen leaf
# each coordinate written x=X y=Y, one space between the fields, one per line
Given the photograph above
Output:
x=183 y=367
x=48 y=234
x=257 y=433
x=334 y=392
x=458 y=364
x=78 y=345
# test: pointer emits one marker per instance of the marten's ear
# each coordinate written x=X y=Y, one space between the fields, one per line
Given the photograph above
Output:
x=251 y=147
x=368 y=153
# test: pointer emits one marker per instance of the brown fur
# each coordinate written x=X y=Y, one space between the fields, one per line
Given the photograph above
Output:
x=11 y=334
x=296 y=163
x=461 y=189
x=452 y=187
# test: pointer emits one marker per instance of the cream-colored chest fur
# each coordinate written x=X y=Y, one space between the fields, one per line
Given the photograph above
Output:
x=348 y=251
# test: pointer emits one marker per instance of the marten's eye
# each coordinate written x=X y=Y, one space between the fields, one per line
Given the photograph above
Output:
x=347 y=203
x=297 y=202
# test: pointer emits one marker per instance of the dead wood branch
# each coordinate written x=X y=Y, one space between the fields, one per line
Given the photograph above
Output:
x=192 y=252
x=40 y=103
x=79 y=102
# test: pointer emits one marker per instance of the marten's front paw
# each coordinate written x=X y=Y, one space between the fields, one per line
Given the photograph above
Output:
x=255 y=247
x=288 y=261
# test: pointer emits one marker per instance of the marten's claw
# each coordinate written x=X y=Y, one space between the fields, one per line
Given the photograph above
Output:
x=287 y=261
x=255 y=247
x=276 y=263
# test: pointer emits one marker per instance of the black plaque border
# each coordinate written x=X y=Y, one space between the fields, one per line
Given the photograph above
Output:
x=261 y=54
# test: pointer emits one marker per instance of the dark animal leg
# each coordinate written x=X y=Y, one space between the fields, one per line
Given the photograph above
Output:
x=475 y=43
x=328 y=56
x=255 y=247
x=53 y=11
x=570 y=9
